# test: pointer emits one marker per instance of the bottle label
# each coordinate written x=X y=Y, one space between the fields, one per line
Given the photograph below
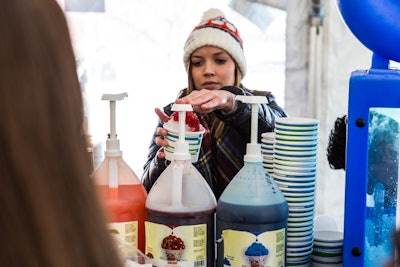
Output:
x=243 y=248
x=184 y=245
x=126 y=230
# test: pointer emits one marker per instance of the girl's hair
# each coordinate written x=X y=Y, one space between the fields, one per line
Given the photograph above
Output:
x=50 y=214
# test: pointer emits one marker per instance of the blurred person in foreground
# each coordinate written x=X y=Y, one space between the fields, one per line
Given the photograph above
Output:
x=50 y=214
x=216 y=64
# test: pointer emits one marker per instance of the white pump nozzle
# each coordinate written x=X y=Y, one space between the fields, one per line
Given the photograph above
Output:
x=112 y=143
x=181 y=151
x=253 y=150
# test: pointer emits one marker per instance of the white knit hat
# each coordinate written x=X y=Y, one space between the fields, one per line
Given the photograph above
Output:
x=215 y=30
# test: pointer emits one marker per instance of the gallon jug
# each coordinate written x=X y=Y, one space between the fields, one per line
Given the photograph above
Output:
x=252 y=212
x=180 y=226
x=122 y=194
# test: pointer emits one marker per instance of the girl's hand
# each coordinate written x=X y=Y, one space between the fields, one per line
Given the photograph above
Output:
x=206 y=101
x=161 y=133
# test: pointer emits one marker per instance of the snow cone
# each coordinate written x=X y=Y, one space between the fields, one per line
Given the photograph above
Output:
x=194 y=132
x=173 y=247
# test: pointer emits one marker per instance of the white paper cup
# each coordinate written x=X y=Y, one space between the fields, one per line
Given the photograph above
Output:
x=173 y=255
x=194 y=140
x=256 y=261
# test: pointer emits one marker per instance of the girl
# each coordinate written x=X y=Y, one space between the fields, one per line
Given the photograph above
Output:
x=215 y=62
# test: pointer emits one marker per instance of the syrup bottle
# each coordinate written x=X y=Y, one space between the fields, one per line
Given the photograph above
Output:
x=252 y=212
x=122 y=194
x=181 y=211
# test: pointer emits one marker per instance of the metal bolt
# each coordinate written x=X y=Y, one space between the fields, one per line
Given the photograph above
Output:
x=360 y=122
x=356 y=252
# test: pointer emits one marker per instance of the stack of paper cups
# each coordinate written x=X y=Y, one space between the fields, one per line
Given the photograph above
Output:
x=267 y=150
x=295 y=168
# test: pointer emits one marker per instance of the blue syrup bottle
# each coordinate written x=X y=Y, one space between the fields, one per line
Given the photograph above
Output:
x=252 y=211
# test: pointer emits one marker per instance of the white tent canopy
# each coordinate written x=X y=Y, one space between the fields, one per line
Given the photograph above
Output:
x=318 y=68
x=313 y=66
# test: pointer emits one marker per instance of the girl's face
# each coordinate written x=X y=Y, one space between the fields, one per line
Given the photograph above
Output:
x=212 y=68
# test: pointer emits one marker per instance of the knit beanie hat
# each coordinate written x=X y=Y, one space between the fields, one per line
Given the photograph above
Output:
x=215 y=30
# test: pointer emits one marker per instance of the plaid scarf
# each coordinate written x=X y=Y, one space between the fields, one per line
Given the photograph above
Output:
x=221 y=154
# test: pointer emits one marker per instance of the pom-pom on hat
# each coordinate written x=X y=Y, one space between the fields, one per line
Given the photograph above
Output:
x=215 y=30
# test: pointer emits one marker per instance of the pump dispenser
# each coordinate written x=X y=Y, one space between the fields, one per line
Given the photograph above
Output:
x=181 y=211
x=252 y=212
x=122 y=194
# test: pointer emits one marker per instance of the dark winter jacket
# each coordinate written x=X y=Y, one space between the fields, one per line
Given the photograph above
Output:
x=221 y=157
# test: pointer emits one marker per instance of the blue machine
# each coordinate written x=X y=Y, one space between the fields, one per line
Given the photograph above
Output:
x=372 y=152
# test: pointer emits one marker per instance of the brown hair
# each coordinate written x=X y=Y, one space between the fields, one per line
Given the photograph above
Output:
x=50 y=214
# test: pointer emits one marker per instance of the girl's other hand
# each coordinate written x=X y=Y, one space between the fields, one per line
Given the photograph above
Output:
x=161 y=133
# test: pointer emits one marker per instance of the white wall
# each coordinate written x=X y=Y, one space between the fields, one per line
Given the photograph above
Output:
x=142 y=41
